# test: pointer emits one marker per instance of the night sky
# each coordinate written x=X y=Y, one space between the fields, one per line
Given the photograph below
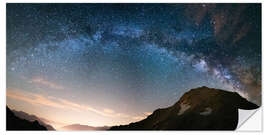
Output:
x=109 y=64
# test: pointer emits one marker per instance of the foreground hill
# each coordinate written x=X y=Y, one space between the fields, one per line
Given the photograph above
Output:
x=199 y=109
x=16 y=123
x=29 y=117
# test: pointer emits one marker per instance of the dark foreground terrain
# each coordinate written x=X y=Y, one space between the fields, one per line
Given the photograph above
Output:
x=31 y=118
x=199 y=109
x=16 y=123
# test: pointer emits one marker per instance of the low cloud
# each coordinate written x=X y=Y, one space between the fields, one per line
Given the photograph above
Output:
x=37 y=99
x=106 y=110
x=138 y=117
x=32 y=98
x=44 y=82
x=147 y=113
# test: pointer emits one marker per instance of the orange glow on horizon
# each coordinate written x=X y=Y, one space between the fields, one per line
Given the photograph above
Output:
x=69 y=107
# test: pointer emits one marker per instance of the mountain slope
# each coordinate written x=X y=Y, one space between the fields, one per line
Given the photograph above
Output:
x=26 y=116
x=199 y=109
x=16 y=123
x=75 y=127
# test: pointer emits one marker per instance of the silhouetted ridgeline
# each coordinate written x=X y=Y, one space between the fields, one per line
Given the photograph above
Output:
x=30 y=117
x=199 y=109
x=16 y=123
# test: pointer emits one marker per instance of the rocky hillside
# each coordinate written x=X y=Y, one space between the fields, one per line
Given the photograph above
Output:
x=199 y=109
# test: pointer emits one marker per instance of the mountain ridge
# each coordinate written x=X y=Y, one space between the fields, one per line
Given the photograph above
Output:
x=31 y=117
x=16 y=123
x=201 y=108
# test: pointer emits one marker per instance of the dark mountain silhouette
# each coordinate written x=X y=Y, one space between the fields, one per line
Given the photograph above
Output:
x=199 y=109
x=16 y=123
x=82 y=127
x=29 y=117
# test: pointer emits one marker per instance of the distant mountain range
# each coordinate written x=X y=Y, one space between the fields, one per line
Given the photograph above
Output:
x=75 y=127
x=199 y=109
x=16 y=123
x=37 y=121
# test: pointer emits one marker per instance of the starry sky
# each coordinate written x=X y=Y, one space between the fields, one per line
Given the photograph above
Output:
x=110 y=64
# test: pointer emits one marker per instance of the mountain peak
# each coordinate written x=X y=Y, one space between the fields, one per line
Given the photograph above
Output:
x=201 y=108
x=216 y=98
